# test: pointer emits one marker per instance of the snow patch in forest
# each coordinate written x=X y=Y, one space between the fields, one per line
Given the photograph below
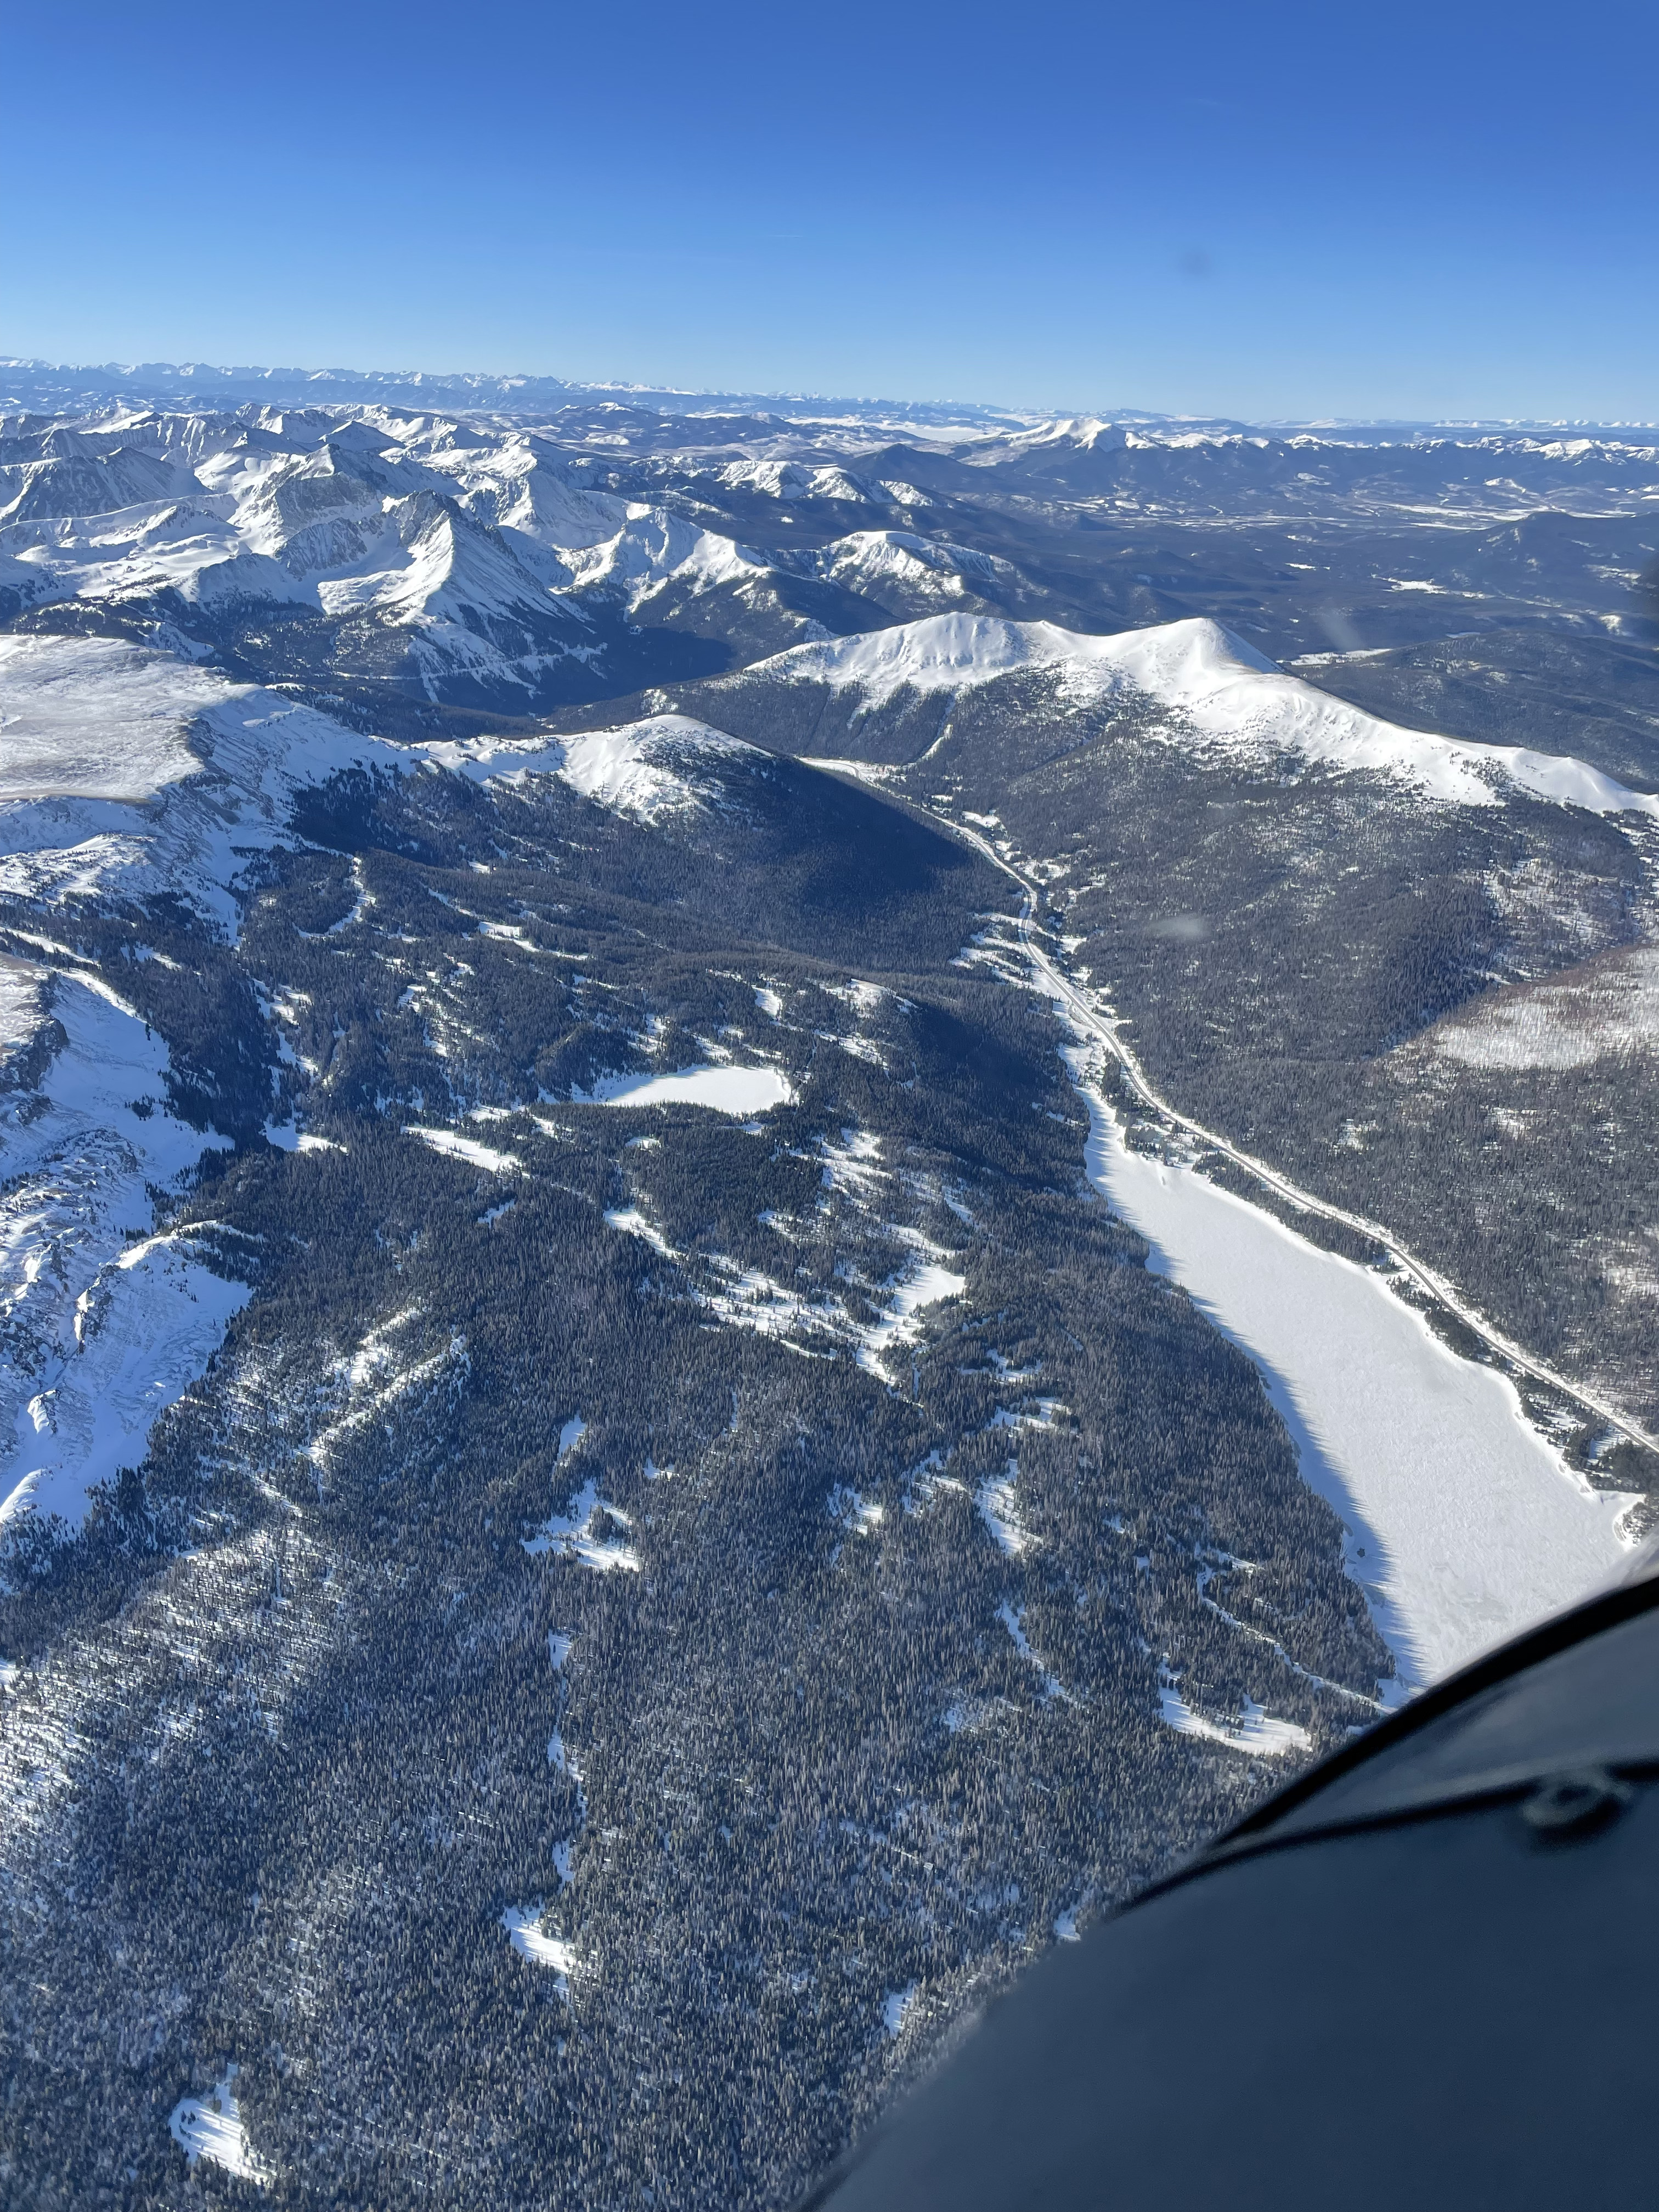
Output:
x=895 y=2010
x=924 y=1284
x=377 y=1376
x=632 y=1223
x=528 y=1937
x=210 y=2127
x=858 y=1516
x=751 y=1298
x=852 y=1165
x=465 y=1148
x=999 y=1505
x=1255 y=1733
x=1014 y=1619
x=590 y=1529
x=1607 y=1008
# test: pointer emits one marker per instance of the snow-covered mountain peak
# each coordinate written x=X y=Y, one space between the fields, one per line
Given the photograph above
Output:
x=898 y=569
x=1223 y=691
x=654 y=548
x=942 y=652
x=664 y=765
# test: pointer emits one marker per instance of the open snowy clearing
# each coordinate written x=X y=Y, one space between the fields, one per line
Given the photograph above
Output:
x=22 y=1002
x=465 y=1148
x=999 y=1504
x=1462 y=1525
x=925 y=1283
x=210 y=2127
x=1610 y=1006
x=527 y=1936
x=738 y=1090
x=1255 y=1732
x=632 y=1223
x=591 y=1530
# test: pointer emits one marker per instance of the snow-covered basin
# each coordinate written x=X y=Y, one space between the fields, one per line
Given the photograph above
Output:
x=1462 y=1525
x=728 y=1090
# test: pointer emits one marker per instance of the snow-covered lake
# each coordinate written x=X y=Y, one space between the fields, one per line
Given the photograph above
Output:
x=1462 y=1525
x=740 y=1090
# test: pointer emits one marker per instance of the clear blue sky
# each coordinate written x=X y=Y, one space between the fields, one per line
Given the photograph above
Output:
x=1263 y=210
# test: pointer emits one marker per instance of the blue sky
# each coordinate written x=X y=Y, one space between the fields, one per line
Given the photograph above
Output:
x=1278 y=210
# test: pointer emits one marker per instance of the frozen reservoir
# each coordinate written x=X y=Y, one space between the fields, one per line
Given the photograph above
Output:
x=1463 y=1524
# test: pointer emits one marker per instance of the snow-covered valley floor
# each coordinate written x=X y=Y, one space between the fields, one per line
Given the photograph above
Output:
x=1463 y=1525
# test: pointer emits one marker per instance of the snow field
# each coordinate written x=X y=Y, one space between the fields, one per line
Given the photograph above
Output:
x=106 y=1331
x=22 y=1002
x=664 y=765
x=94 y=728
x=110 y=724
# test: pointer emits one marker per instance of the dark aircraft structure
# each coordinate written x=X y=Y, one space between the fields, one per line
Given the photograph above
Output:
x=1425 y=1975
